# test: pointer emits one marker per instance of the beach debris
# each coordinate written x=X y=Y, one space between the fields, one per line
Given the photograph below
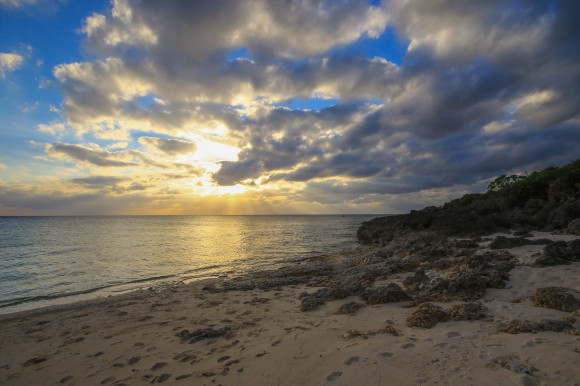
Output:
x=392 y=293
x=513 y=363
x=201 y=333
x=467 y=311
x=517 y=326
x=558 y=298
x=427 y=315
x=349 y=308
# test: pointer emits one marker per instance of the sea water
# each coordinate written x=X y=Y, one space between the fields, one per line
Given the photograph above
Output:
x=55 y=260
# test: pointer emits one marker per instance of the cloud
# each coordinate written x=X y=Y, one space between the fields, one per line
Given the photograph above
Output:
x=9 y=62
x=169 y=146
x=267 y=28
x=28 y=108
x=485 y=88
x=16 y=3
x=100 y=158
x=99 y=181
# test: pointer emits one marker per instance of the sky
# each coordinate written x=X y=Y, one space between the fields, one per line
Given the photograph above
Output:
x=279 y=106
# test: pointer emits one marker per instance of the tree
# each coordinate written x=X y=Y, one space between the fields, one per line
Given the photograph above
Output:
x=504 y=181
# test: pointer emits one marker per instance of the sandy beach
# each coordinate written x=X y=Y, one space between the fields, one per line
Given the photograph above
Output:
x=229 y=332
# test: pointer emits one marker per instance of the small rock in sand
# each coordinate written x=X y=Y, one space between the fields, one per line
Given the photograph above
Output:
x=426 y=316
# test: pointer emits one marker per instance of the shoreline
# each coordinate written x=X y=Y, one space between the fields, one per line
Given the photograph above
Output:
x=251 y=330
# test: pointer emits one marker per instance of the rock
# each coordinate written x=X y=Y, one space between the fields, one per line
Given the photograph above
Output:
x=314 y=300
x=574 y=227
x=517 y=326
x=426 y=316
x=349 y=308
x=467 y=311
x=468 y=278
x=548 y=261
x=392 y=293
x=564 y=250
x=513 y=363
x=201 y=333
x=502 y=242
x=365 y=335
x=559 y=253
x=415 y=282
x=558 y=298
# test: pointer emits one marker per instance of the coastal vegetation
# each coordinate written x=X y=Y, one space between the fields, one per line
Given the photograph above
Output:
x=546 y=200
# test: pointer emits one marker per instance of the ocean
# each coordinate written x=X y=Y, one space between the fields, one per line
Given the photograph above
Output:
x=56 y=260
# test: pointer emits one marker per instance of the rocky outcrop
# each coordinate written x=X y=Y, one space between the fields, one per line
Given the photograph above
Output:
x=558 y=298
x=558 y=253
x=518 y=326
x=502 y=242
x=391 y=293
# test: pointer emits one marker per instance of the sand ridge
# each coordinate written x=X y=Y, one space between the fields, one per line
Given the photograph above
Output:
x=262 y=338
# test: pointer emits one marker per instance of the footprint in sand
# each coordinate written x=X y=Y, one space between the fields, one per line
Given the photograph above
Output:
x=134 y=360
x=162 y=378
x=184 y=376
x=408 y=345
x=158 y=366
x=107 y=380
x=351 y=360
x=386 y=354
x=333 y=376
x=33 y=361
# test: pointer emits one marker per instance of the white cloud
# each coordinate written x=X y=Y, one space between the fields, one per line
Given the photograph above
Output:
x=268 y=28
x=497 y=127
x=16 y=3
x=28 y=108
x=9 y=62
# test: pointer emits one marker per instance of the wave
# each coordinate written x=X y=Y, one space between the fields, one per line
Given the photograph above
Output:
x=29 y=299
